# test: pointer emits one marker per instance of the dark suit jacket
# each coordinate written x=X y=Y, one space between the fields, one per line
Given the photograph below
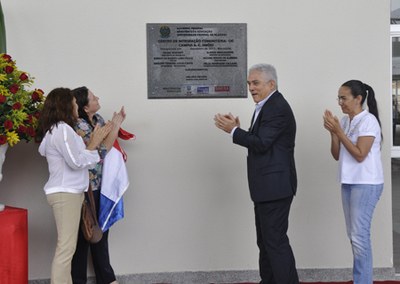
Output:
x=271 y=168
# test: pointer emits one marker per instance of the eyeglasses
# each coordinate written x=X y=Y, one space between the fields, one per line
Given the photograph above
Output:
x=343 y=99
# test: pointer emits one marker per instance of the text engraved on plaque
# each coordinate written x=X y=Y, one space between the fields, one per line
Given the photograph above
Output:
x=196 y=60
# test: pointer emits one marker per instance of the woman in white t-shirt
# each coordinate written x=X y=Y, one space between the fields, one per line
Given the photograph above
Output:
x=68 y=160
x=356 y=144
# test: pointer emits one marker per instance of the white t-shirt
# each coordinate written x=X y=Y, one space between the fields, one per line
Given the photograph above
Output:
x=370 y=170
x=68 y=160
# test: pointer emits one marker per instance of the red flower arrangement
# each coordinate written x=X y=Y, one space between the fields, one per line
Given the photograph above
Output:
x=19 y=107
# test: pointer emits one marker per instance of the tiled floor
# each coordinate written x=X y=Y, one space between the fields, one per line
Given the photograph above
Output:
x=396 y=212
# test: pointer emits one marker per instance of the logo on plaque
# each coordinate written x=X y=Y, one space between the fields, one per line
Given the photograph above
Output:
x=165 y=31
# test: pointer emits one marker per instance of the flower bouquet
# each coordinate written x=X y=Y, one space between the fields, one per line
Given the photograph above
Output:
x=19 y=106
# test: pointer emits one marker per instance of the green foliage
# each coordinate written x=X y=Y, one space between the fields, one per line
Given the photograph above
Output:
x=3 y=46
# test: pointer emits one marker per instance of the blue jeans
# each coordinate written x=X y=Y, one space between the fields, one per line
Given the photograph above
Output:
x=359 y=201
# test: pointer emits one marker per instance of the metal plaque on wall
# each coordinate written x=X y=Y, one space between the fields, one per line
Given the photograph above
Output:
x=196 y=60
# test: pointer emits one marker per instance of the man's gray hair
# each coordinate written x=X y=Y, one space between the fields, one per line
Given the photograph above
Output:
x=268 y=70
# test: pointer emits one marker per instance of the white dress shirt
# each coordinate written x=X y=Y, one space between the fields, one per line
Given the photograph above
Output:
x=68 y=160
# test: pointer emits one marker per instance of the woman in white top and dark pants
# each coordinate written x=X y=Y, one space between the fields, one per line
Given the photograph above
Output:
x=68 y=159
x=356 y=143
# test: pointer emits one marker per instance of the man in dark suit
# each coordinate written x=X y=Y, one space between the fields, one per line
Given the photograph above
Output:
x=271 y=171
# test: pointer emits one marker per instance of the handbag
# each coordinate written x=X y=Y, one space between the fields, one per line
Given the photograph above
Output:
x=89 y=224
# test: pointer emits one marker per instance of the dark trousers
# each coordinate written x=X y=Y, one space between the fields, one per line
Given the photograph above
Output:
x=276 y=260
x=100 y=257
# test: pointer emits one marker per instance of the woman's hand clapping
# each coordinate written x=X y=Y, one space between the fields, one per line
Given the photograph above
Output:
x=98 y=135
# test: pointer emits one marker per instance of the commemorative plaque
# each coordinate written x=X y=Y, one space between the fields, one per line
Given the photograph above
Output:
x=196 y=60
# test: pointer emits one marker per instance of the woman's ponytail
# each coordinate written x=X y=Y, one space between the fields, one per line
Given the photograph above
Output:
x=371 y=102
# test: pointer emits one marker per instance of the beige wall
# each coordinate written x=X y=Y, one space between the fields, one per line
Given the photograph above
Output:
x=188 y=207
